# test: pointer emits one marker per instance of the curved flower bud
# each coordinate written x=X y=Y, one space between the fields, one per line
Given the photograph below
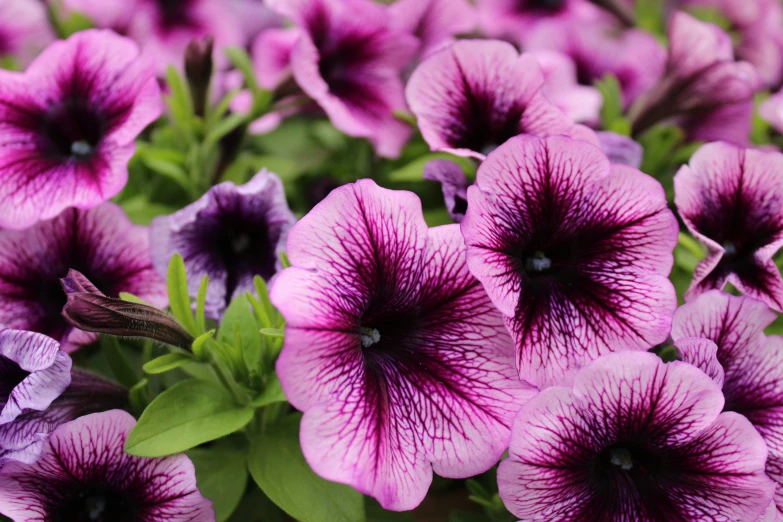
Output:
x=393 y=350
x=89 y=310
x=573 y=251
x=634 y=439
x=84 y=474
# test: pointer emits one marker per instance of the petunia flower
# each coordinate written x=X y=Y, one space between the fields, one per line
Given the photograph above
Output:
x=475 y=94
x=752 y=363
x=434 y=22
x=732 y=200
x=24 y=29
x=101 y=243
x=634 y=439
x=514 y=19
x=454 y=184
x=84 y=474
x=33 y=373
x=581 y=103
x=573 y=251
x=57 y=395
x=68 y=125
x=621 y=150
x=600 y=48
x=231 y=234
x=393 y=350
x=349 y=60
x=701 y=76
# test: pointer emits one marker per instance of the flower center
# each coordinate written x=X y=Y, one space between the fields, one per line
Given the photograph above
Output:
x=730 y=248
x=369 y=336
x=542 y=5
x=72 y=130
x=97 y=504
x=11 y=375
x=621 y=458
x=538 y=263
x=171 y=10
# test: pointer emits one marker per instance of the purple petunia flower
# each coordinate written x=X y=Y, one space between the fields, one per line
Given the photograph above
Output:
x=581 y=103
x=349 y=60
x=475 y=94
x=701 y=78
x=574 y=253
x=752 y=363
x=634 y=439
x=732 y=200
x=393 y=350
x=24 y=29
x=231 y=234
x=68 y=125
x=621 y=150
x=40 y=391
x=454 y=184
x=514 y=19
x=434 y=22
x=599 y=47
x=33 y=373
x=101 y=243
x=85 y=474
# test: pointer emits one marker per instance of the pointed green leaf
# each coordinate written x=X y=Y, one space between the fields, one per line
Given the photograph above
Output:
x=239 y=317
x=200 y=342
x=125 y=296
x=201 y=301
x=273 y=332
x=277 y=465
x=179 y=299
x=221 y=476
x=413 y=171
x=138 y=395
x=167 y=362
x=120 y=367
x=186 y=415
x=284 y=260
x=272 y=393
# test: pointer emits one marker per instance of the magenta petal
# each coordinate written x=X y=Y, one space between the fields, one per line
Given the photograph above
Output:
x=434 y=22
x=475 y=94
x=621 y=150
x=454 y=184
x=574 y=253
x=650 y=434
x=393 y=350
x=272 y=56
x=83 y=469
x=231 y=234
x=703 y=354
x=732 y=200
x=352 y=70
x=101 y=243
x=66 y=136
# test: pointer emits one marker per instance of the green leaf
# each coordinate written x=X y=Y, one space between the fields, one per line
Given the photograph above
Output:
x=125 y=296
x=184 y=416
x=269 y=317
x=376 y=513
x=413 y=170
x=120 y=367
x=240 y=315
x=201 y=302
x=223 y=128
x=284 y=260
x=180 y=101
x=138 y=395
x=221 y=108
x=170 y=170
x=272 y=393
x=167 y=362
x=277 y=465
x=179 y=299
x=74 y=23
x=612 y=108
x=221 y=476
x=200 y=342
x=241 y=60
x=273 y=332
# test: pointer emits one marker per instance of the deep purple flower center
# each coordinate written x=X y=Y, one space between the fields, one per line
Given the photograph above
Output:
x=551 y=6
x=481 y=126
x=96 y=503
x=174 y=12
x=460 y=206
x=627 y=470
x=244 y=248
x=12 y=375
x=72 y=130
